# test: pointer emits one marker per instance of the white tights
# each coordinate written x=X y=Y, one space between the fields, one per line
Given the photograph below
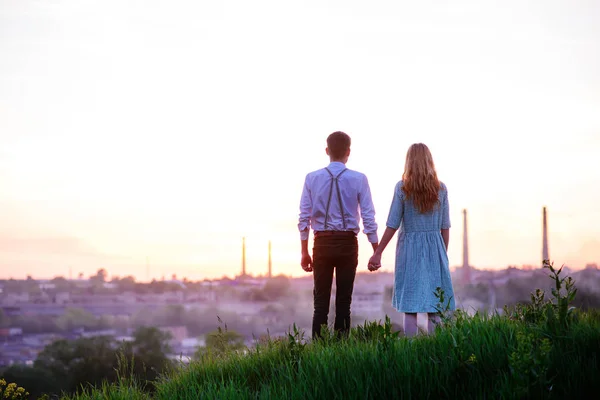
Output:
x=410 y=323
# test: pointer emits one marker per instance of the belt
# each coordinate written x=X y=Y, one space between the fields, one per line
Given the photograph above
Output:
x=334 y=233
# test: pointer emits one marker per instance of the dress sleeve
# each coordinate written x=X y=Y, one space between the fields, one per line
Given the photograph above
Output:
x=396 y=209
x=445 y=209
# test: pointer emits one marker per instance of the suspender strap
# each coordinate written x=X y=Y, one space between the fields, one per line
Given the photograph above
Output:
x=329 y=198
x=339 y=195
x=337 y=186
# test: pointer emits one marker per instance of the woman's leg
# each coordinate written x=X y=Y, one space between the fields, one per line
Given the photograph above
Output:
x=432 y=320
x=410 y=324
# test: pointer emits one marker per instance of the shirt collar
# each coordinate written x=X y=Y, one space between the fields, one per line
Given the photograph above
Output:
x=336 y=165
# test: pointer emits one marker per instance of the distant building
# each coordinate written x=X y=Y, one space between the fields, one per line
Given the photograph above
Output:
x=466 y=268
x=367 y=303
x=270 y=264
x=177 y=282
x=243 y=276
x=110 y=285
x=15 y=298
x=46 y=285
x=128 y=297
x=62 y=298
x=178 y=333
x=126 y=339
x=41 y=340
x=10 y=332
x=193 y=343
x=545 y=254
x=100 y=332
x=172 y=297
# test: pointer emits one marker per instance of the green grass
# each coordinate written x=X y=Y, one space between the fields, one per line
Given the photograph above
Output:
x=544 y=350
x=476 y=357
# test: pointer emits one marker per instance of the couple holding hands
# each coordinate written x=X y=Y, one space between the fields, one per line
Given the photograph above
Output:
x=333 y=201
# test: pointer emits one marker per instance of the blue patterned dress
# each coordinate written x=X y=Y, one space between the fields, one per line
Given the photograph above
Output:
x=421 y=257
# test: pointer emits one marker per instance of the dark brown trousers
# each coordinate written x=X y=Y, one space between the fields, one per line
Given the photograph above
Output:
x=339 y=252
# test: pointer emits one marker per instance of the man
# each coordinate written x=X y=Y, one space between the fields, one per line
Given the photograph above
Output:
x=330 y=203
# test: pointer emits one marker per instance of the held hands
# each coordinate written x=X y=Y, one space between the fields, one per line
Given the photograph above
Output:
x=306 y=262
x=373 y=265
x=374 y=262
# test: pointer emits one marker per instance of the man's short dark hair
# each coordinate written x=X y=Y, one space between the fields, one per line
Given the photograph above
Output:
x=338 y=144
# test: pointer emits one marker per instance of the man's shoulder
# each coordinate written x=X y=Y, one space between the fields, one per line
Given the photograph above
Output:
x=315 y=172
x=355 y=174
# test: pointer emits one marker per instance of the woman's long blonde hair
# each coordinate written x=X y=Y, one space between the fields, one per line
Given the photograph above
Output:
x=421 y=184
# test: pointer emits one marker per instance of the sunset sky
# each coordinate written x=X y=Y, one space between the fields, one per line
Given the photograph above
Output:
x=168 y=130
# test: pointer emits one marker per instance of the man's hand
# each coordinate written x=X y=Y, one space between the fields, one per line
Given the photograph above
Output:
x=306 y=262
x=374 y=262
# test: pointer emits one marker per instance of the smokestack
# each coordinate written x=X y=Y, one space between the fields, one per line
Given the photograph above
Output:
x=466 y=267
x=270 y=262
x=545 y=255
x=243 y=256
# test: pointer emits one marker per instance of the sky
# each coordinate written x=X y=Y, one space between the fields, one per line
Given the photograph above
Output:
x=149 y=137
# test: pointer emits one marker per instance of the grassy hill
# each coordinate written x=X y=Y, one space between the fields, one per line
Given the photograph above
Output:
x=545 y=349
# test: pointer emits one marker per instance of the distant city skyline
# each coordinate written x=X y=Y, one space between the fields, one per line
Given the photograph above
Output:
x=150 y=140
x=464 y=277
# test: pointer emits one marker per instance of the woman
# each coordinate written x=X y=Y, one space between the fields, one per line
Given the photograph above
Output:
x=420 y=209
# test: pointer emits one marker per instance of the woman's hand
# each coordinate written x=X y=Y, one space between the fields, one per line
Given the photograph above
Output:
x=374 y=262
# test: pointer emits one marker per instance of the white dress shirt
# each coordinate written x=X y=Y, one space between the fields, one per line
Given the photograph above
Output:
x=320 y=200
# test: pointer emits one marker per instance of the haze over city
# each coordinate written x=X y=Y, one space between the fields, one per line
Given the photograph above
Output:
x=160 y=134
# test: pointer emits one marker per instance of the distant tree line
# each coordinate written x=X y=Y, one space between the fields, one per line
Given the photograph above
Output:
x=96 y=285
x=274 y=288
x=68 y=366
